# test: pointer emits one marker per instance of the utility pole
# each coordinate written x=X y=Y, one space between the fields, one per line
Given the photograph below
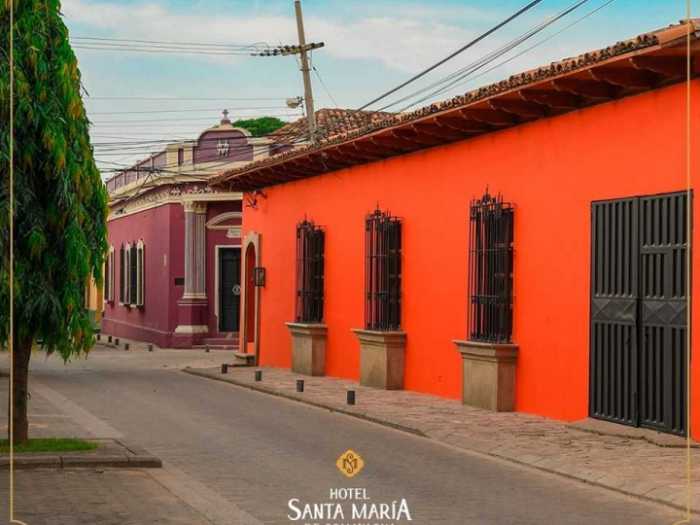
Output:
x=302 y=49
x=306 y=72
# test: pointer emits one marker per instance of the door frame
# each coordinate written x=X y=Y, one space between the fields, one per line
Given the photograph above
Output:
x=217 y=270
x=251 y=241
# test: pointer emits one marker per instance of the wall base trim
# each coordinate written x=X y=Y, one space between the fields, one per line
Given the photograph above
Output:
x=382 y=359
x=488 y=374
x=308 y=348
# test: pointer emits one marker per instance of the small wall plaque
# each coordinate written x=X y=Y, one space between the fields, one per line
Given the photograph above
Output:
x=259 y=276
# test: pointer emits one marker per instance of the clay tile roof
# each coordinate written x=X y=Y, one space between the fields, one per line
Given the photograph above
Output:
x=331 y=122
x=647 y=61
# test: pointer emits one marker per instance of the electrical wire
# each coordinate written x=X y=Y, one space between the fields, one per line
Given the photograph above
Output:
x=454 y=54
x=172 y=42
x=455 y=77
x=89 y=97
x=186 y=110
x=538 y=43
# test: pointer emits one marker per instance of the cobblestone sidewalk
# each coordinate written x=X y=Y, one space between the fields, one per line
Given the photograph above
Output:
x=632 y=466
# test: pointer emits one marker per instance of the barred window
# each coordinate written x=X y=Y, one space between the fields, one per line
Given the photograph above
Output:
x=309 y=298
x=491 y=270
x=382 y=271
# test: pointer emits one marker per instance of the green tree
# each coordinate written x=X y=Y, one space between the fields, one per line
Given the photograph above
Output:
x=59 y=200
x=260 y=126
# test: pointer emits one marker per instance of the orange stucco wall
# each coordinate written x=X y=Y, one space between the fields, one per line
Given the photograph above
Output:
x=551 y=170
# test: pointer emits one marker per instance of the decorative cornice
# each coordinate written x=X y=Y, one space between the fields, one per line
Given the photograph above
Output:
x=171 y=194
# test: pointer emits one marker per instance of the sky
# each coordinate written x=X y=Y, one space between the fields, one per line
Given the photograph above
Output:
x=370 y=47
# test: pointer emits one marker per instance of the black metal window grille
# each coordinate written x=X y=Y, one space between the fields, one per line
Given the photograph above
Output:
x=309 y=297
x=382 y=272
x=491 y=270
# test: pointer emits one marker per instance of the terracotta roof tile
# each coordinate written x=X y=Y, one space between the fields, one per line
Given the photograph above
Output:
x=383 y=121
x=332 y=122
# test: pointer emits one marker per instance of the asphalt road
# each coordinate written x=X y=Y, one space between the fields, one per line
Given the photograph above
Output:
x=240 y=456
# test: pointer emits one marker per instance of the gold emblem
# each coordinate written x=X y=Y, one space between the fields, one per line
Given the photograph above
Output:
x=350 y=463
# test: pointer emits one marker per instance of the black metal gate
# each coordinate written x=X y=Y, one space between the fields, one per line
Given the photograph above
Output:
x=639 y=311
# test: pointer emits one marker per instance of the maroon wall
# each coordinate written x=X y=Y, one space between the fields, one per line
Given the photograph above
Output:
x=162 y=231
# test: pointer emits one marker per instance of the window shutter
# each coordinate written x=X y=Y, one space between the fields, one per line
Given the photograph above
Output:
x=111 y=275
x=133 y=276
x=141 y=272
x=122 y=275
x=107 y=269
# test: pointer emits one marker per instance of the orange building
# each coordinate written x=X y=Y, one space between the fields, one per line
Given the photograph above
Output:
x=562 y=293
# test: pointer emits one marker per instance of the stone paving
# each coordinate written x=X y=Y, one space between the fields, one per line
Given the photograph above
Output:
x=90 y=497
x=631 y=466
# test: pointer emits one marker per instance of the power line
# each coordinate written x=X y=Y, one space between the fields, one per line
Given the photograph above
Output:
x=172 y=42
x=537 y=44
x=183 y=98
x=450 y=80
x=323 y=84
x=193 y=119
x=154 y=49
x=187 y=110
x=452 y=55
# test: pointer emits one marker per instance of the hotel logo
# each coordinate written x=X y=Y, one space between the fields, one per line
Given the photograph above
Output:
x=350 y=463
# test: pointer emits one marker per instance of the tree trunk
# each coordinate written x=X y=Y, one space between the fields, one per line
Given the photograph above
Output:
x=22 y=351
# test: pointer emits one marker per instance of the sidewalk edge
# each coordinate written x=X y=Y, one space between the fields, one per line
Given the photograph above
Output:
x=420 y=433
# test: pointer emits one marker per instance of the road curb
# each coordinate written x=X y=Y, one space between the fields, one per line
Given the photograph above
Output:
x=126 y=456
x=331 y=408
x=420 y=433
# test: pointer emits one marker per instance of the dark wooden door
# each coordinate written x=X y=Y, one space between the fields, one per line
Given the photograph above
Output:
x=639 y=311
x=229 y=289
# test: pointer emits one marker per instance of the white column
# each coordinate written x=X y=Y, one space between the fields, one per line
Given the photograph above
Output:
x=195 y=250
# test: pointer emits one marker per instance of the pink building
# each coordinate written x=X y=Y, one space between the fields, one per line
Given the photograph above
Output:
x=173 y=273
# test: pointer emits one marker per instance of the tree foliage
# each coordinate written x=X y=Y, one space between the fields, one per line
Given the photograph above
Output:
x=59 y=200
x=260 y=126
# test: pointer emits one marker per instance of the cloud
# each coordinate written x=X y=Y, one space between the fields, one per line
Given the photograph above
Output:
x=412 y=37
